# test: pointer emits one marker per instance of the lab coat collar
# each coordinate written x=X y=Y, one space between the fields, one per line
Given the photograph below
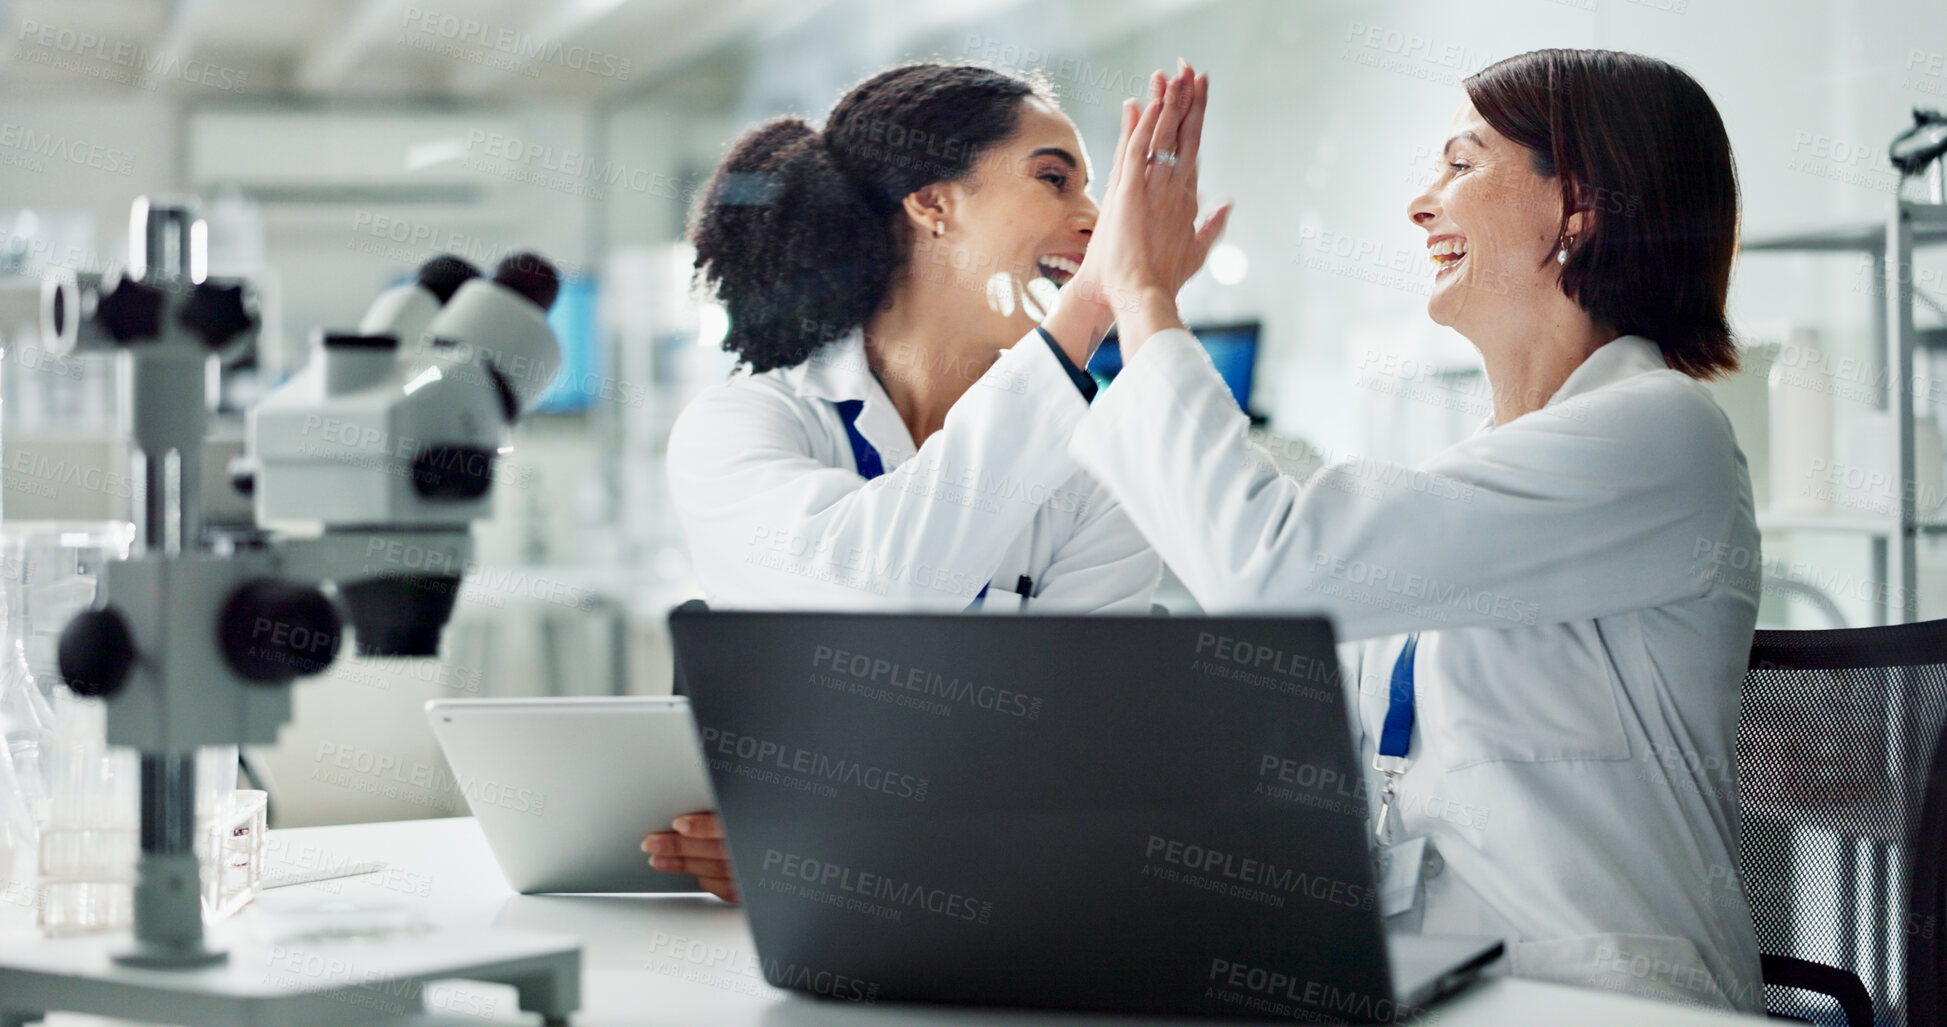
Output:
x=838 y=371
x=1622 y=357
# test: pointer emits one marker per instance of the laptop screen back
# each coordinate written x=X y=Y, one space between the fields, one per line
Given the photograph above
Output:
x=1145 y=814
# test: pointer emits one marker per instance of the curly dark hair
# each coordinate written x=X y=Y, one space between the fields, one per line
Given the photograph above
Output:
x=798 y=233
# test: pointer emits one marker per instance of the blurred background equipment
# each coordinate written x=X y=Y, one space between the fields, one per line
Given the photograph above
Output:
x=1916 y=152
x=195 y=635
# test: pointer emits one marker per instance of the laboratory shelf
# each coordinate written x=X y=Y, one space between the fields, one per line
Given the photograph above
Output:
x=1881 y=526
x=1928 y=220
x=1827 y=522
x=1889 y=242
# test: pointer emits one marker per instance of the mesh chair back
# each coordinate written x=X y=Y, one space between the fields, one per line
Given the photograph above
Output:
x=1926 y=958
x=1834 y=744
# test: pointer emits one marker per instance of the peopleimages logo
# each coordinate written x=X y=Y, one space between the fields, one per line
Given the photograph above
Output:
x=409 y=780
x=1431 y=593
x=1306 y=996
x=876 y=888
x=704 y=962
x=933 y=684
x=1256 y=872
x=522 y=47
x=118 y=60
x=1255 y=656
x=65 y=150
x=763 y=754
x=55 y=471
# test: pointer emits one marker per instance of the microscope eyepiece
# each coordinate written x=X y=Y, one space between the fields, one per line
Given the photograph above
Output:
x=400 y=614
x=96 y=653
x=217 y=313
x=443 y=275
x=271 y=631
x=532 y=276
x=129 y=310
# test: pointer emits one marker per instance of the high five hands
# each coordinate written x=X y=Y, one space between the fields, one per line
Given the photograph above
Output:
x=1146 y=241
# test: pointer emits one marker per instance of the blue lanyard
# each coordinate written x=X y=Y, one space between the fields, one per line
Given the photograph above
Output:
x=1397 y=735
x=866 y=458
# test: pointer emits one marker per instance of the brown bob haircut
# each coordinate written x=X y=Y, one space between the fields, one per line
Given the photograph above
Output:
x=1638 y=148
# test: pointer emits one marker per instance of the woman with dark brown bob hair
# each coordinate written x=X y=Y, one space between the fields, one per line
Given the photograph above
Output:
x=1547 y=636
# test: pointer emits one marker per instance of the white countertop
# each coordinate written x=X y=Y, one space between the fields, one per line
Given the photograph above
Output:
x=689 y=961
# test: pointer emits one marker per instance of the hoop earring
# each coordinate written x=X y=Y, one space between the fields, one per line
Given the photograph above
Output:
x=1561 y=255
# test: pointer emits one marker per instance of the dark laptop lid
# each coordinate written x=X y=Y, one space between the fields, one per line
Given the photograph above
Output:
x=1143 y=814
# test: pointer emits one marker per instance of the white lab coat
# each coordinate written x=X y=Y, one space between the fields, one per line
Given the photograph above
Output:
x=778 y=517
x=1585 y=578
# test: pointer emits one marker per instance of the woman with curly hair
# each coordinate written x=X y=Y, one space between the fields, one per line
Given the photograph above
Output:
x=900 y=440
x=875 y=272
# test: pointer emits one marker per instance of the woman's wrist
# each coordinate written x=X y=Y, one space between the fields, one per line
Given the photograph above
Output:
x=1078 y=327
x=1152 y=310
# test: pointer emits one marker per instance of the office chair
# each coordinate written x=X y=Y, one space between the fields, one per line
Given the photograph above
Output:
x=1926 y=966
x=1839 y=857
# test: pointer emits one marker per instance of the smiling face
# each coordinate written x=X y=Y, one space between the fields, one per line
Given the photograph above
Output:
x=1024 y=211
x=1492 y=224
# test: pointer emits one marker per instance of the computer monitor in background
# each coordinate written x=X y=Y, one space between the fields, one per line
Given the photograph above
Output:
x=576 y=327
x=1232 y=347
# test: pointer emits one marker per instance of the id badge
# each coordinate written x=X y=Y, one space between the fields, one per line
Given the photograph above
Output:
x=1401 y=873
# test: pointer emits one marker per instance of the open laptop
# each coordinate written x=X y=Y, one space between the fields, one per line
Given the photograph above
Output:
x=1140 y=814
x=565 y=788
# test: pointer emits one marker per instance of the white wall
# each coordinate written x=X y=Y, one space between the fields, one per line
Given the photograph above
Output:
x=131 y=141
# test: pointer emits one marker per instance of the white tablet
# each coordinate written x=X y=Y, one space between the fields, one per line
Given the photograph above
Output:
x=566 y=788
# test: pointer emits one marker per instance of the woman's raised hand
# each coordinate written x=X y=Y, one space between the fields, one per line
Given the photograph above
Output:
x=1146 y=242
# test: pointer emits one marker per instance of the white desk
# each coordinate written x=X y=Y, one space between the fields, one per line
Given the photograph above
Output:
x=682 y=961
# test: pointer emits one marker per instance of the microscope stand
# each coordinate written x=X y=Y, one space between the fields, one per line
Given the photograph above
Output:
x=299 y=983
